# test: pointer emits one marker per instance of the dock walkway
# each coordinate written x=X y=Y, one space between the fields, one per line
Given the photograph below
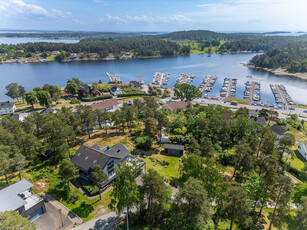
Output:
x=284 y=101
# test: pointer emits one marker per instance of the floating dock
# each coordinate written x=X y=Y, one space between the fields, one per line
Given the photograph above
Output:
x=252 y=91
x=185 y=78
x=160 y=79
x=113 y=77
x=207 y=84
x=229 y=88
x=281 y=95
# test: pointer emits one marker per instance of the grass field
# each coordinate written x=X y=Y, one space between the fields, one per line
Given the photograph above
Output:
x=240 y=101
x=297 y=161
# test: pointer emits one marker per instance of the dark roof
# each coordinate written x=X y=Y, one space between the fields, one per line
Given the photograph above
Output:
x=118 y=151
x=88 y=156
x=16 y=116
x=6 y=104
x=104 y=104
x=174 y=146
x=260 y=120
x=113 y=89
x=47 y=110
x=177 y=105
x=96 y=146
x=278 y=129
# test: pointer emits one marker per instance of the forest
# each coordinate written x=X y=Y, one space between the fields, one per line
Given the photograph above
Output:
x=292 y=57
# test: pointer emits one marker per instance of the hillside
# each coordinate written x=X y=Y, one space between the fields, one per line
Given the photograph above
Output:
x=292 y=57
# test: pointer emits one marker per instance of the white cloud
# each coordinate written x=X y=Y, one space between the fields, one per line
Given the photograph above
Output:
x=21 y=9
x=178 y=18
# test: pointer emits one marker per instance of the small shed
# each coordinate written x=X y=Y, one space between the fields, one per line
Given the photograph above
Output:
x=173 y=149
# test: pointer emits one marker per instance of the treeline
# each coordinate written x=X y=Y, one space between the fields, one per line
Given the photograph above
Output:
x=149 y=47
x=292 y=57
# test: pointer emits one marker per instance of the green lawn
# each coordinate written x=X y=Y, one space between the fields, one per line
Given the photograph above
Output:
x=297 y=162
x=168 y=173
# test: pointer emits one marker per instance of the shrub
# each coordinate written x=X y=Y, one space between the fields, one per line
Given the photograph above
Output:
x=92 y=189
x=144 y=142
x=177 y=131
x=73 y=196
x=75 y=101
x=103 y=97
x=132 y=94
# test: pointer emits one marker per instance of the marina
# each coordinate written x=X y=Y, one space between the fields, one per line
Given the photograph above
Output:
x=207 y=84
x=229 y=88
x=252 y=91
x=160 y=79
x=113 y=77
x=281 y=95
x=185 y=78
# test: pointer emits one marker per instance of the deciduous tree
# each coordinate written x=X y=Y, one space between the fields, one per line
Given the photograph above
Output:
x=100 y=176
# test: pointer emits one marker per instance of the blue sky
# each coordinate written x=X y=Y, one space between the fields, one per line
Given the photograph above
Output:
x=158 y=15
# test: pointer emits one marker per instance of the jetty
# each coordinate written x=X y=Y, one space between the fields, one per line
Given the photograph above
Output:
x=185 y=78
x=207 y=84
x=229 y=88
x=113 y=77
x=160 y=79
x=252 y=91
x=281 y=95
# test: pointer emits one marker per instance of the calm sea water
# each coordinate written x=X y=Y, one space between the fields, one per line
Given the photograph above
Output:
x=15 y=41
x=228 y=65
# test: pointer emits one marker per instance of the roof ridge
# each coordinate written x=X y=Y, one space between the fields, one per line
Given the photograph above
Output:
x=101 y=151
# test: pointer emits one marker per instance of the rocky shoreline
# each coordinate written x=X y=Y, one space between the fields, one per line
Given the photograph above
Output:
x=279 y=71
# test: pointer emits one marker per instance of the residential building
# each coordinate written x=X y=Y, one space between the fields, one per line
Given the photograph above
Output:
x=55 y=52
x=278 y=131
x=96 y=93
x=115 y=91
x=163 y=138
x=7 y=108
x=48 y=110
x=18 y=197
x=19 y=116
x=105 y=105
x=173 y=106
x=107 y=158
x=174 y=149
x=259 y=120
x=302 y=148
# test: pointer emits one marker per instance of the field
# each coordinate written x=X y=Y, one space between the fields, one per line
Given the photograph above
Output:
x=196 y=47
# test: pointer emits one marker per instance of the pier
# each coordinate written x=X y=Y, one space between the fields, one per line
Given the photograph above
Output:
x=281 y=95
x=207 y=84
x=160 y=79
x=229 y=88
x=252 y=91
x=113 y=77
x=185 y=78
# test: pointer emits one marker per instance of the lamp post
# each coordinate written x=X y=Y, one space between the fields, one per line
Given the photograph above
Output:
x=60 y=211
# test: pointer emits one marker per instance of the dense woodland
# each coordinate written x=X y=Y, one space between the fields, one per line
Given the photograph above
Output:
x=292 y=57
x=232 y=174
x=176 y=43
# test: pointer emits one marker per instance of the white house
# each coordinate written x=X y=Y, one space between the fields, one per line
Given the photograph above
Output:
x=302 y=148
x=278 y=131
x=115 y=91
x=7 y=108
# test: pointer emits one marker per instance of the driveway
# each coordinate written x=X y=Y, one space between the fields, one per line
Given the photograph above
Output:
x=104 y=222
x=51 y=219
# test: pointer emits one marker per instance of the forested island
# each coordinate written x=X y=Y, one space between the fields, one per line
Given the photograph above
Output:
x=287 y=52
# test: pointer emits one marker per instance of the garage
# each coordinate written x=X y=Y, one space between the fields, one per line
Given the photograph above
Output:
x=36 y=214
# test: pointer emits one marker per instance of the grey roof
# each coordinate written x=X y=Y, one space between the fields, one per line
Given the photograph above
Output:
x=96 y=146
x=87 y=156
x=118 y=151
x=9 y=198
x=260 y=120
x=47 y=110
x=174 y=146
x=16 y=116
x=278 y=129
x=6 y=104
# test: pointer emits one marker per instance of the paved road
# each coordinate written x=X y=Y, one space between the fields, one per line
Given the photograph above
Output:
x=104 y=222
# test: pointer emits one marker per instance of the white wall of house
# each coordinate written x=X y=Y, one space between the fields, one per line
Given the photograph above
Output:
x=116 y=161
x=302 y=150
x=7 y=111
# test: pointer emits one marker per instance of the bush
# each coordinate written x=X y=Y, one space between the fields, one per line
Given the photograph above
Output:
x=91 y=189
x=75 y=101
x=103 y=97
x=42 y=173
x=73 y=197
x=144 y=142
x=132 y=94
x=177 y=131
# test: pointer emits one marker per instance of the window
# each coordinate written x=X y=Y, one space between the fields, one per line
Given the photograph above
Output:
x=79 y=154
x=86 y=157
x=94 y=162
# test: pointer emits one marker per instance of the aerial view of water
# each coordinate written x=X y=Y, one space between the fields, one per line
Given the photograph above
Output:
x=220 y=65
x=20 y=40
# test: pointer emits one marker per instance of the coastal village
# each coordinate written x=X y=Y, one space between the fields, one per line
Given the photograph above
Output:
x=107 y=136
